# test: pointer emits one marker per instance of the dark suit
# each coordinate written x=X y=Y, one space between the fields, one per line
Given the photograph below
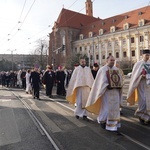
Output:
x=35 y=82
x=48 y=80
x=60 y=78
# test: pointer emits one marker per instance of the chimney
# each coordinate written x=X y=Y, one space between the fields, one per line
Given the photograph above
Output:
x=89 y=7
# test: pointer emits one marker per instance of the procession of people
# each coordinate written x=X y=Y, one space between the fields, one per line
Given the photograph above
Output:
x=97 y=90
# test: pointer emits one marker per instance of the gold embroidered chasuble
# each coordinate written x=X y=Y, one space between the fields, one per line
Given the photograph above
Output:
x=136 y=79
x=99 y=91
x=132 y=95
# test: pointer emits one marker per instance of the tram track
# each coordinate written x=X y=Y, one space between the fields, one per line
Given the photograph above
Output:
x=37 y=122
x=59 y=102
x=126 y=136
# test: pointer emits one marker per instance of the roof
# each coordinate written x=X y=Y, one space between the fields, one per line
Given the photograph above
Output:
x=68 y=18
x=118 y=21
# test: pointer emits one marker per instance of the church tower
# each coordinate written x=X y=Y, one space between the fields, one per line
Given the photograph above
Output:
x=89 y=8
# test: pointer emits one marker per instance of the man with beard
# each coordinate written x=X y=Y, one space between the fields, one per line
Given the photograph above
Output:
x=104 y=98
x=79 y=88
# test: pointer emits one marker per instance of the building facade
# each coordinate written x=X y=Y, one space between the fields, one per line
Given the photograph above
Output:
x=124 y=36
x=23 y=61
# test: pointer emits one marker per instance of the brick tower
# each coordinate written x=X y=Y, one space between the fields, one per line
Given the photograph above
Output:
x=89 y=8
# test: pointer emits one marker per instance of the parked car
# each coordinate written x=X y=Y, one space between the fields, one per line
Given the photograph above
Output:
x=129 y=74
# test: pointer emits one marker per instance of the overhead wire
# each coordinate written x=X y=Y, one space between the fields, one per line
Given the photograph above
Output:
x=22 y=21
x=49 y=25
x=17 y=22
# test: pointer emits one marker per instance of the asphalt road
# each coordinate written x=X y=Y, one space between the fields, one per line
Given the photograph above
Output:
x=49 y=123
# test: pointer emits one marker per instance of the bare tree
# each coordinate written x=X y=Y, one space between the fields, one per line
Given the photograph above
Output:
x=40 y=57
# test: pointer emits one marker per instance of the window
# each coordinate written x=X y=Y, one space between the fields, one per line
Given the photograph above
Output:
x=132 y=39
x=113 y=21
x=124 y=41
x=103 y=45
x=103 y=23
x=139 y=13
x=97 y=56
x=90 y=34
x=80 y=48
x=141 y=38
x=103 y=57
x=75 y=49
x=96 y=46
x=116 y=43
x=109 y=44
x=117 y=54
x=126 y=17
x=133 y=53
x=124 y=54
x=112 y=29
x=91 y=57
x=100 y=31
x=81 y=36
x=93 y=26
x=141 y=22
x=125 y=27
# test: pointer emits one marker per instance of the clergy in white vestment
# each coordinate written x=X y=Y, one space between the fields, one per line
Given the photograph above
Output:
x=104 y=98
x=79 y=88
x=139 y=88
x=28 y=84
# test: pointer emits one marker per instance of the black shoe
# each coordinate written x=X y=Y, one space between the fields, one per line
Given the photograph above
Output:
x=121 y=113
x=141 y=121
x=115 y=132
x=38 y=99
x=103 y=125
x=50 y=96
x=33 y=97
x=85 y=118
x=77 y=116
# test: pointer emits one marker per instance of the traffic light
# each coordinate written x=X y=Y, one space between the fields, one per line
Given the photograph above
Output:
x=63 y=47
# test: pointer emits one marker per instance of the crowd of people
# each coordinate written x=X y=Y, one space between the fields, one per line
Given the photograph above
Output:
x=96 y=90
x=32 y=80
x=100 y=91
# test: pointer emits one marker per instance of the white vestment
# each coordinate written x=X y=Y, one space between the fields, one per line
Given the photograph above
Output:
x=28 y=84
x=79 y=88
x=19 y=81
x=105 y=102
x=139 y=91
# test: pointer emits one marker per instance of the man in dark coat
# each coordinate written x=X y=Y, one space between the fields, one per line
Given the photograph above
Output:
x=95 y=70
x=23 y=78
x=35 y=82
x=60 y=79
x=48 y=80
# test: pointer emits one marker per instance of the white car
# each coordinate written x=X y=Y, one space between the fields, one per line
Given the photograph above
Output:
x=129 y=74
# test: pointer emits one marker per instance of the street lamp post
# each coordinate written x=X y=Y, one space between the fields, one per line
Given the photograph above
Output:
x=12 y=63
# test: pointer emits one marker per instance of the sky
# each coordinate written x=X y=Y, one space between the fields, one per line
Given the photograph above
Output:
x=24 y=22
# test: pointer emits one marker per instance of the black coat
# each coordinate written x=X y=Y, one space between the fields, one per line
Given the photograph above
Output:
x=35 y=79
x=49 y=78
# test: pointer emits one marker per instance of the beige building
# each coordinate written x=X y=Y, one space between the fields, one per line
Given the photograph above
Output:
x=124 y=36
